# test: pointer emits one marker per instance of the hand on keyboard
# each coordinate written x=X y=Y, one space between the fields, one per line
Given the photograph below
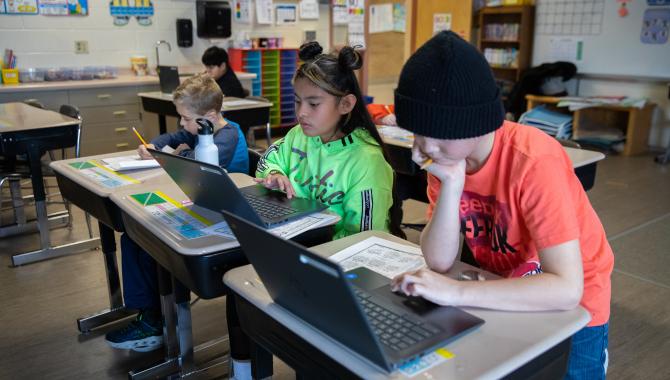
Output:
x=277 y=181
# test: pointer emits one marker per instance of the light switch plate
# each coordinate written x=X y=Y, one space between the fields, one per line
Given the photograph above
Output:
x=81 y=47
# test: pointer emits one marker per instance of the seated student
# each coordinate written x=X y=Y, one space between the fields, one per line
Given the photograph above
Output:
x=334 y=155
x=197 y=97
x=382 y=114
x=512 y=191
x=216 y=64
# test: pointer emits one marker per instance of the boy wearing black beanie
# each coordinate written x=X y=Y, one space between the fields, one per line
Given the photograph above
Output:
x=511 y=190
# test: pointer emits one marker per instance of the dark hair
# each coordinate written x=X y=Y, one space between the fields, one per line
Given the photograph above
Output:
x=334 y=73
x=214 y=56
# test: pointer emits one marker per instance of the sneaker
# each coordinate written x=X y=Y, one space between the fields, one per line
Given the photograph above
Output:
x=141 y=335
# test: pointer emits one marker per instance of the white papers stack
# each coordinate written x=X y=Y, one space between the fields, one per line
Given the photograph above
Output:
x=132 y=162
x=577 y=103
x=556 y=124
x=397 y=133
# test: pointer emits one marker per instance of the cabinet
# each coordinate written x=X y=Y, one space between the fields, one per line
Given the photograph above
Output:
x=634 y=122
x=274 y=69
x=506 y=39
x=108 y=114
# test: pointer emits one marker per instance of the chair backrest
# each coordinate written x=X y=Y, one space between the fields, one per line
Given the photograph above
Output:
x=254 y=157
x=34 y=103
x=73 y=112
x=569 y=143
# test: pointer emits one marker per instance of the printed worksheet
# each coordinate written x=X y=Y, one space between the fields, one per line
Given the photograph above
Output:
x=285 y=231
x=380 y=255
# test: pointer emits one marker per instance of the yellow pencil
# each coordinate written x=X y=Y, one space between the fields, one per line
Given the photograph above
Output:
x=140 y=137
x=388 y=109
x=426 y=163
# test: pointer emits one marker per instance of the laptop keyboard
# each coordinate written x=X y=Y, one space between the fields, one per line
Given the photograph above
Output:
x=393 y=330
x=267 y=209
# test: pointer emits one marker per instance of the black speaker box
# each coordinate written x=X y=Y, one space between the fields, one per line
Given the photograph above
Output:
x=213 y=19
x=184 y=32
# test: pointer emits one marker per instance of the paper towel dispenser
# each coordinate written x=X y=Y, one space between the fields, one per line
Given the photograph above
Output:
x=213 y=19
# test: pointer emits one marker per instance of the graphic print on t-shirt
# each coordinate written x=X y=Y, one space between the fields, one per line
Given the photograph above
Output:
x=485 y=224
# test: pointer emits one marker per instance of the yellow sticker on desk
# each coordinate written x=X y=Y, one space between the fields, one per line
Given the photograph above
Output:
x=444 y=353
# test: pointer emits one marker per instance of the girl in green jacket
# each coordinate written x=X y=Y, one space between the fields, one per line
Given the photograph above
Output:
x=335 y=155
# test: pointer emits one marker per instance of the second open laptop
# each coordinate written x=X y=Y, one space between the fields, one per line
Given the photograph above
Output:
x=356 y=308
x=168 y=77
x=210 y=186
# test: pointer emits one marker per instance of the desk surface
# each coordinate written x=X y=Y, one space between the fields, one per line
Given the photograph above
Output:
x=20 y=117
x=579 y=157
x=229 y=103
x=63 y=167
x=505 y=342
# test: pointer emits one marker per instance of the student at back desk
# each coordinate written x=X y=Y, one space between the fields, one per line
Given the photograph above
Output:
x=197 y=97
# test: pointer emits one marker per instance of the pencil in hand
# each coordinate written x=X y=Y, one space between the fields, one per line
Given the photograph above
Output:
x=140 y=137
x=426 y=163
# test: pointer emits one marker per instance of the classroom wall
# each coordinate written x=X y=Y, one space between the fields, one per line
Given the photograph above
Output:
x=48 y=41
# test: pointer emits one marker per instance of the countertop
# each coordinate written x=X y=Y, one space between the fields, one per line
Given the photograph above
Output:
x=123 y=80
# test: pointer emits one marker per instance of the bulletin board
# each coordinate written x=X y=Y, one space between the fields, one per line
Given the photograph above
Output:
x=609 y=44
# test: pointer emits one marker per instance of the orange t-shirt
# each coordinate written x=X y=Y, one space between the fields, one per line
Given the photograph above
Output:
x=526 y=198
x=378 y=111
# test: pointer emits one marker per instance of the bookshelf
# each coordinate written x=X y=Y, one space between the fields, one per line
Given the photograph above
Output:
x=506 y=39
x=274 y=69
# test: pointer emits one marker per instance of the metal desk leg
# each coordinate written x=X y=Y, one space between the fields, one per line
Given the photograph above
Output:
x=46 y=251
x=267 y=134
x=116 y=309
x=184 y=327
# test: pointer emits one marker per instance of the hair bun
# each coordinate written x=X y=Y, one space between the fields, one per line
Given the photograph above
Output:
x=349 y=58
x=309 y=50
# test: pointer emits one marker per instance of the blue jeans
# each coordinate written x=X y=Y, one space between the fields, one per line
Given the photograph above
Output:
x=140 y=278
x=589 y=356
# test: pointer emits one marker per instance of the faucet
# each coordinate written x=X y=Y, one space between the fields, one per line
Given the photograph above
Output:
x=158 y=44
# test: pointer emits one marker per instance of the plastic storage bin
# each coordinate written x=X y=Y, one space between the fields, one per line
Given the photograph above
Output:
x=10 y=76
x=31 y=75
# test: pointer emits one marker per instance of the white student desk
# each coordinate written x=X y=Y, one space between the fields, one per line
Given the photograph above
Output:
x=93 y=197
x=245 y=112
x=506 y=342
x=196 y=265
x=32 y=131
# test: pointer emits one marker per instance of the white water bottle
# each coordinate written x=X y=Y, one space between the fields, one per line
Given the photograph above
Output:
x=206 y=150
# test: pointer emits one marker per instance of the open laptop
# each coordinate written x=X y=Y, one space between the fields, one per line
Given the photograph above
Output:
x=210 y=186
x=168 y=76
x=356 y=308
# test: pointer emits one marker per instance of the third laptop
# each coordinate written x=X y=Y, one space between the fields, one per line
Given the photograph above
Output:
x=356 y=308
x=210 y=186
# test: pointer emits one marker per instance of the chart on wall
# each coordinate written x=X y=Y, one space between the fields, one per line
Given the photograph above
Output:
x=569 y=17
x=123 y=10
x=19 y=7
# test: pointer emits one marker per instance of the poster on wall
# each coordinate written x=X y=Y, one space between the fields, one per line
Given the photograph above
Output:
x=243 y=11
x=21 y=7
x=399 y=17
x=286 y=14
x=3 y=10
x=356 y=29
x=78 y=7
x=309 y=10
x=340 y=12
x=54 y=7
x=264 y=11
x=381 y=18
x=655 y=26
x=441 y=21
x=123 y=10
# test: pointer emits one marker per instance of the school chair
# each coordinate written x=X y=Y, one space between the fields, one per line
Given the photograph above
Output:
x=254 y=157
x=251 y=138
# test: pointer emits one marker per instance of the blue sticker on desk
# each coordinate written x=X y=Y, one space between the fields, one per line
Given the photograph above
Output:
x=655 y=26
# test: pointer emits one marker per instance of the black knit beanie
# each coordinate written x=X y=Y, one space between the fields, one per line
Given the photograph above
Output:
x=446 y=90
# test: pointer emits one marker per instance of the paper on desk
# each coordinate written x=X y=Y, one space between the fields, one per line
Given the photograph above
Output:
x=396 y=133
x=241 y=102
x=167 y=149
x=131 y=162
x=380 y=255
x=102 y=175
x=285 y=231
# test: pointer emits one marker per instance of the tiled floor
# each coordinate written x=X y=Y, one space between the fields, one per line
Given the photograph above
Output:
x=40 y=302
